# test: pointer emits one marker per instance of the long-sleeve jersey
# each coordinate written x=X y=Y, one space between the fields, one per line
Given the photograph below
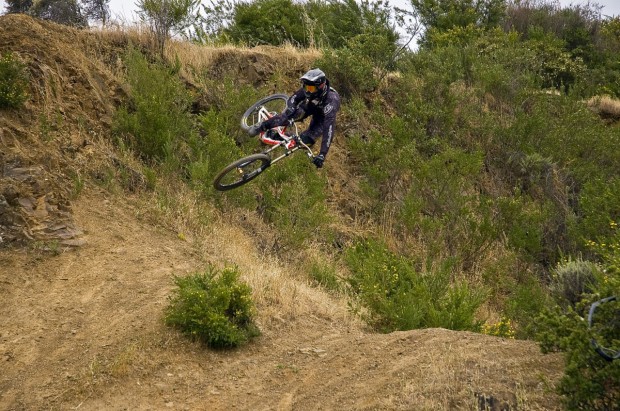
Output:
x=323 y=111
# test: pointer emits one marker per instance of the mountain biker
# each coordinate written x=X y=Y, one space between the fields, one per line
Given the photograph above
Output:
x=315 y=98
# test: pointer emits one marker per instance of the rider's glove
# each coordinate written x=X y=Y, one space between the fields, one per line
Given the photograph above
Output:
x=319 y=160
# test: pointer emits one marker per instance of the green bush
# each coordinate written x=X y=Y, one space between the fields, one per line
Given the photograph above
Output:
x=571 y=280
x=13 y=81
x=213 y=153
x=558 y=69
x=325 y=275
x=356 y=67
x=333 y=23
x=590 y=382
x=557 y=158
x=599 y=201
x=253 y=23
x=397 y=297
x=350 y=70
x=293 y=199
x=443 y=206
x=213 y=307
x=157 y=121
x=525 y=301
x=307 y=24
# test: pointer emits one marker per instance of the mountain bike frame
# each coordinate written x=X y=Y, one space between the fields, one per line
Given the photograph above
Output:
x=281 y=144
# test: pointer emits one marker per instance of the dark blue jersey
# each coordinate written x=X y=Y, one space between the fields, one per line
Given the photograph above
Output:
x=323 y=111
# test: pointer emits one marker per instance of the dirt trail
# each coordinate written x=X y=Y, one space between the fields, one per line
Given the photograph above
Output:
x=83 y=328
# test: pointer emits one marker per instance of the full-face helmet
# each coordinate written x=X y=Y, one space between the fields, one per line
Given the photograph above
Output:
x=314 y=83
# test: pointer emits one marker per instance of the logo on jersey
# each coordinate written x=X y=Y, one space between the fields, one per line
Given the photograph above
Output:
x=328 y=108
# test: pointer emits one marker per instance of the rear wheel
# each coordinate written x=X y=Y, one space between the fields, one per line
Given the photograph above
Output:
x=241 y=171
x=263 y=109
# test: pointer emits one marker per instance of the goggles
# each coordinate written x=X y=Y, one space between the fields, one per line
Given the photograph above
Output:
x=310 y=88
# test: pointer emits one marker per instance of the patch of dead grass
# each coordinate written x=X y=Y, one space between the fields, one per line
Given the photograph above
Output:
x=280 y=292
x=605 y=106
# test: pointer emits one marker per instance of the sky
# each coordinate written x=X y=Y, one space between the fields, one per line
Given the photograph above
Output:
x=124 y=10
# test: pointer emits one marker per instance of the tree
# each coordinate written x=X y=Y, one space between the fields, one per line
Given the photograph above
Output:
x=337 y=21
x=254 y=23
x=18 y=6
x=578 y=26
x=98 y=10
x=443 y=15
x=213 y=20
x=329 y=23
x=60 y=11
x=167 y=16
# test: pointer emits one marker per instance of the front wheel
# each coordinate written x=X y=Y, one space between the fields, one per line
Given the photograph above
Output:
x=241 y=171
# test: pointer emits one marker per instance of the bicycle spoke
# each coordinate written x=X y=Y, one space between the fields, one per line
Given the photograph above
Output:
x=241 y=172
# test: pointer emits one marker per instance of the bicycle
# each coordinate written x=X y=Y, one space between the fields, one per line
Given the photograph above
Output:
x=282 y=142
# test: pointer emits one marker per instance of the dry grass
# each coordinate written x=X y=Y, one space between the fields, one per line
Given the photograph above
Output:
x=605 y=106
x=471 y=379
x=280 y=292
x=120 y=33
x=253 y=65
x=201 y=56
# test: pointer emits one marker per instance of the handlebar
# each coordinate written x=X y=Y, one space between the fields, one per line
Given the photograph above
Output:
x=299 y=142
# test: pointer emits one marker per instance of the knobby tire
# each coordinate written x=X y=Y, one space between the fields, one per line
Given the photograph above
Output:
x=241 y=171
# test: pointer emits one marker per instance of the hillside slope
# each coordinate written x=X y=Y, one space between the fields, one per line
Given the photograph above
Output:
x=85 y=273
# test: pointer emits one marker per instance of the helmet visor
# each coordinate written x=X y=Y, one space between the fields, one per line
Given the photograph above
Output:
x=310 y=88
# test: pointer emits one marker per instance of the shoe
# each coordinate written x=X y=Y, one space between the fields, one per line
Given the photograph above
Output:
x=273 y=135
x=254 y=130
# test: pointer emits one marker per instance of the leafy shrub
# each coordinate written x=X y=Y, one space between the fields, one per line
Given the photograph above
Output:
x=222 y=140
x=590 y=382
x=325 y=275
x=294 y=200
x=599 y=201
x=525 y=301
x=502 y=328
x=397 y=297
x=157 y=121
x=566 y=192
x=253 y=23
x=62 y=12
x=13 y=81
x=443 y=206
x=350 y=70
x=558 y=68
x=383 y=175
x=356 y=67
x=307 y=24
x=212 y=154
x=572 y=279
x=213 y=307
